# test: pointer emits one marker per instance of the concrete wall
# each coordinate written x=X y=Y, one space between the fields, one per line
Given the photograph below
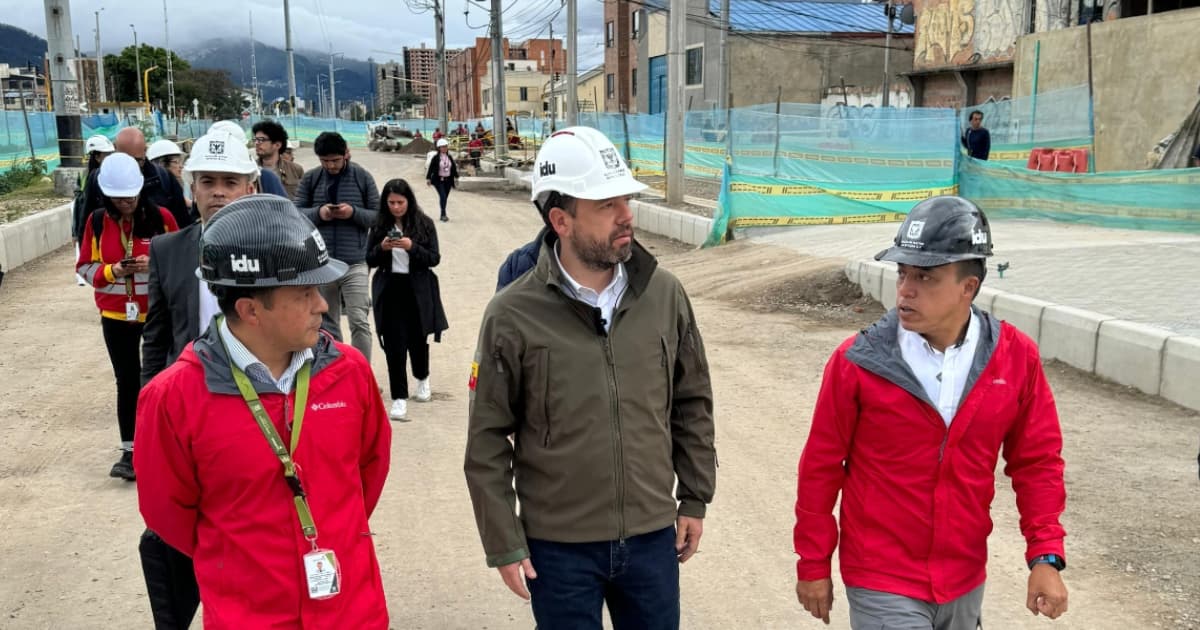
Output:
x=1144 y=72
x=955 y=33
x=809 y=67
x=31 y=237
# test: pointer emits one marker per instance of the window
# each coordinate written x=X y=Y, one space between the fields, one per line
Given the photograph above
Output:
x=524 y=94
x=610 y=87
x=610 y=36
x=633 y=80
x=487 y=96
x=635 y=24
x=695 y=65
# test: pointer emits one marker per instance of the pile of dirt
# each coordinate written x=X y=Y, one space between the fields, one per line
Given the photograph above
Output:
x=419 y=146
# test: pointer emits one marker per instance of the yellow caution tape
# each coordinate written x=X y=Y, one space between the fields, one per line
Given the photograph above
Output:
x=885 y=217
x=856 y=195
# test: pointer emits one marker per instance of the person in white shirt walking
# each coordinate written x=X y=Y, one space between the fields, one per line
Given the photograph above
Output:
x=403 y=244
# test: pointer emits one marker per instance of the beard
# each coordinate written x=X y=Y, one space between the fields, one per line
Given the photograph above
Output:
x=602 y=255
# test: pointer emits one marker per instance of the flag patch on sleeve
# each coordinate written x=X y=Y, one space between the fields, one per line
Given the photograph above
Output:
x=474 y=376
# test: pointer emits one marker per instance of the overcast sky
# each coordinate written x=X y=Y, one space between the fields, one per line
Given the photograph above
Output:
x=358 y=28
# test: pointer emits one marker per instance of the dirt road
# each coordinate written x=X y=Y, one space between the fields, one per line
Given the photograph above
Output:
x=68 y=554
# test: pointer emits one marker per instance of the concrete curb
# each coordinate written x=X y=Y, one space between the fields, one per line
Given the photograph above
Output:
x=34 y=236
x=1153 y=360
x=682 y=226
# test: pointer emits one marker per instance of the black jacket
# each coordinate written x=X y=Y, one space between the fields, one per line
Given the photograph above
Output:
x=345 y=238
x=160 y=189
x=431 y=173
x=173 y=318
x=423 y=256
x=978 y=142
x=520 y=260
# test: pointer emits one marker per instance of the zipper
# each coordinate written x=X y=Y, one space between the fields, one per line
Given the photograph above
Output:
x=666 y=365
x=618 y=453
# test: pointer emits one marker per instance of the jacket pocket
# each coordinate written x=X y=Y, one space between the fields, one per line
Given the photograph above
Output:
x=537 y=393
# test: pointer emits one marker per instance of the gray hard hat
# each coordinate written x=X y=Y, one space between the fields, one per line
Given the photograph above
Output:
x=264 y=241
x=940 y=231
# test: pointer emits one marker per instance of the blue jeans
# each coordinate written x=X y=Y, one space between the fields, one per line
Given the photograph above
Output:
x=638 y=578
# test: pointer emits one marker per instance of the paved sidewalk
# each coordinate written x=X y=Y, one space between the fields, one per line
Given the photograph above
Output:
x=1147 y=277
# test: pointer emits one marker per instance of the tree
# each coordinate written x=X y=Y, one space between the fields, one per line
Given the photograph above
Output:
x=218 y=96
x=122 y=69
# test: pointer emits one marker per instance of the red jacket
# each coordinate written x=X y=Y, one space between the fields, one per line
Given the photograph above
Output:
x=915 y=495
x=210 y=486
x=97 y=257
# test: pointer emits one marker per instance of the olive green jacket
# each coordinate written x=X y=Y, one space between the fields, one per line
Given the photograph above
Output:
x=603 y=424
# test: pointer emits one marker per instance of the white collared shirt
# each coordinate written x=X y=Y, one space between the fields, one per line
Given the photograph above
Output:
x=208 y=307
x=607 y=300
x=257 y=370
x=943 y=375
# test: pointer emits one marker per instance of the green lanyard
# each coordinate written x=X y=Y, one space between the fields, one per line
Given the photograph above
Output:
x=282 y=452
x=127 y=243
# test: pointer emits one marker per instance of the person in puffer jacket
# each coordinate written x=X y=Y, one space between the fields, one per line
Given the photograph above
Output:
x=911 y=417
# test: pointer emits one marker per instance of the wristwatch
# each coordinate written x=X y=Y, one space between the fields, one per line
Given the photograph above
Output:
x=1051 y=559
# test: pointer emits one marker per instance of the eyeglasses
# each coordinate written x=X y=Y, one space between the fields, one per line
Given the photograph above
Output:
x=260 y=140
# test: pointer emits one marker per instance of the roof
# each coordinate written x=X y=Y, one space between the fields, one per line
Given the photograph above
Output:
x=799 y=16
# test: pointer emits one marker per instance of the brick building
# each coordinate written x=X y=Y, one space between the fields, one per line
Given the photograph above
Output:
x=468 y=71
x=623 y=27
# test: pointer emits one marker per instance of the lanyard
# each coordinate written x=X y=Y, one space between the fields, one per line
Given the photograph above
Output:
x=282 y=452
x=127 y=243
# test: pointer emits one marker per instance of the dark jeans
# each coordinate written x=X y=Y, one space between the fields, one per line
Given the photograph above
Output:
x=170 y=583
x=402 y=334
x=443 y=187
x=638 y=578
x=124 y=342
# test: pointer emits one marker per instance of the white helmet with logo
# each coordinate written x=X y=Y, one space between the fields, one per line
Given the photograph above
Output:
x=229 y=127
x=581 y=162
x=162 y=148
x=220 y=152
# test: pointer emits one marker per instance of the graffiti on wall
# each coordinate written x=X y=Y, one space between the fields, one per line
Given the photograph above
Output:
x=1052 y=15
x=964 y=32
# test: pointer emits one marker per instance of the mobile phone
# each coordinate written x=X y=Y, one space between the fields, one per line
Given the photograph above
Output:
x=395 y=233
x=125 y=262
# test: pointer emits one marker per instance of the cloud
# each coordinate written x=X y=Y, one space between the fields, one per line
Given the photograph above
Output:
x=359 y=29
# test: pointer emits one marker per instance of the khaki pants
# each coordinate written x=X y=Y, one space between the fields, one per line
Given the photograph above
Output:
x=355 y=291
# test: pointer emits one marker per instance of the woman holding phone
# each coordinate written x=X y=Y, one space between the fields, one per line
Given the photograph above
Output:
x=114 y=257
x=403 y=244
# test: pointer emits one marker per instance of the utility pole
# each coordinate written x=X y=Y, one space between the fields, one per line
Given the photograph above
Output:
x=439 y=18
x=100 y=61
x=553 y=68
x=256 y=106
x=137 y=59
x=332 y=91
x=170 y=69
x=572 y=63
x=887 y=54
x=499 y=130
x=287 y=30
x=66 y=96
x=676 y=43
x=723 y=83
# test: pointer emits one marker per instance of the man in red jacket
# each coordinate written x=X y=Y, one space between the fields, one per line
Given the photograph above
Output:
x=274 y=517
x=909 y=422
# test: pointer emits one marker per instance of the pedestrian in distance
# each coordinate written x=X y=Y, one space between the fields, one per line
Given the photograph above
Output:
x=289 y=153
x=168 y=156
x=909 y=422
x=340 y=197
x=407 y=299
x=976 y=138
x=442 y=174
x=593 y=363
x=263 y=449
x=115 y=259
x=181 y=309
x=270 y=141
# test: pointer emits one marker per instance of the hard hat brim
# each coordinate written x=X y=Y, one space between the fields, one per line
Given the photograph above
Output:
x=331 y=271
x=917 y=258
x=618 y=188
x=111 y=191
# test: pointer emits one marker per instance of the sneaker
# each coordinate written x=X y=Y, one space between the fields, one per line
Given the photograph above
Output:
x=423 y=392
x=123 y=469
x=399 y=410
x=445 y=219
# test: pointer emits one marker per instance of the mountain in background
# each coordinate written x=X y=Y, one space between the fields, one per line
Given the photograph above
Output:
x=20 y=48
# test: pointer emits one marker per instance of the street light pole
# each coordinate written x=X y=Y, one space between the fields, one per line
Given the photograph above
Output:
x=887 y=57
x=439 y=17
x=170 y=70
x=499 y=130
x=137 y=59
x=100 y=61
x=572 y=63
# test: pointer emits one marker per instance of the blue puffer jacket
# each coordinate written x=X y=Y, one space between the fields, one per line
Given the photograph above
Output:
x=520 y=260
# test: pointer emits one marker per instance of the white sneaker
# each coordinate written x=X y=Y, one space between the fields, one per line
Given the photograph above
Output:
x=424 y=394
x=399 y=410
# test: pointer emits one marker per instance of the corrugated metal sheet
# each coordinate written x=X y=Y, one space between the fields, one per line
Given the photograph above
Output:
x=788 y=16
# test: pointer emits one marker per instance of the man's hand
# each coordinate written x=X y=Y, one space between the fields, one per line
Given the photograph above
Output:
x=343 y=211
x=816 y=596
x=326 y=212
x=512 y=575
x=688 y=531
x=1047 y=593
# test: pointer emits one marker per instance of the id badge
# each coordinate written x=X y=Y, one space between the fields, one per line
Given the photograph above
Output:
x=323 y=574
x=132 y=311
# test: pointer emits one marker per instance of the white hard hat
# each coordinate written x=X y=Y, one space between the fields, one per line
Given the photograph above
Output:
x=582 y=163
x=442 y=142
x=98 y=143
x=229 y=127
x=162 y=148
x=219 y=152
x=120 y=176
x=293 y=144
